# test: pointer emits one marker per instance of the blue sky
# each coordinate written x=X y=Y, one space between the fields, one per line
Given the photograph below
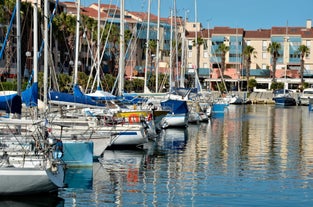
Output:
x=247 y=14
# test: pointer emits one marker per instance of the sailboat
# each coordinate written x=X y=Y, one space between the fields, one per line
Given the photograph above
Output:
x=29 y=167
x=112 y=128
x=28 y=170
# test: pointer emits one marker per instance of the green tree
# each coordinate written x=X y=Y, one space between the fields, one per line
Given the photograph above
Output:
x=273 y=49
x=303 y=50
x=64 y=82
x=6 y=11
x=247 y=53
x=64 y=29
x=200 y=41
x=252 y=83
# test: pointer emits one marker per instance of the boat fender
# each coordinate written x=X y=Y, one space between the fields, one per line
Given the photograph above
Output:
x=149 y=117
x=58 y=149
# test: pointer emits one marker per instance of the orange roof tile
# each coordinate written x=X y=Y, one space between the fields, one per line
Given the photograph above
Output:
x=260 y=33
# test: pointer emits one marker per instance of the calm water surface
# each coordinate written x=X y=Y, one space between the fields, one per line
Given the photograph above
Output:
x=256 y=155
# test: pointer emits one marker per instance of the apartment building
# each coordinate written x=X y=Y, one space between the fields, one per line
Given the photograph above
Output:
x=288 y=63
x=204 y=59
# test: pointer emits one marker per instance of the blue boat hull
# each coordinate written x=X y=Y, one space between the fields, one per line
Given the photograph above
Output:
x=285 y=101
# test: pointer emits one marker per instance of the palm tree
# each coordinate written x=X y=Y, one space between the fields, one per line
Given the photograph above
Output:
x=247 y=52
x=304 y=51
x=200 y=41
x=273 y=49
x=221 y=51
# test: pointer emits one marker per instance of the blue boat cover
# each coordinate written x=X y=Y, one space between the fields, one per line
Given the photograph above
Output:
x=175 y=106
x=30 y=95
x=78 y=97
x=11 y=103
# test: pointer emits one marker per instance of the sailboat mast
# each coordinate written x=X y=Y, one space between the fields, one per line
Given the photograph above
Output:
x=146 y=89
x=197 y=82
x=35 y=42
x=176 y=43
x=171 y=52
x=77 y=43
x=157 y=51
x=46 y=33
x=122 y=50
x=98 y=47
x=183 y=65
x=286 y=57
x=18 y=46
x=196 y=43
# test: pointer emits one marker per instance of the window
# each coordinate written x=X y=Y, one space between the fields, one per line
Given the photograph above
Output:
x=190 y=44
x=264 y=45
x=205 y=54
x=248 y=42
x=264 y=55
x=189 y=65
x=190 y=54
x=264 y=66
x=205 y=45
x=205 y=65
x=308 y=43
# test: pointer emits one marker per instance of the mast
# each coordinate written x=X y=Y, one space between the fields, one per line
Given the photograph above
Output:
x=122 y=50
x=171 y=55
x=157 y=51
x=176 y=44
x=98 y=48
x=183 y=65
x=35 y=42
x=35 y=52
x=146 y=89
x=197 y=82
x=18 y=46
x=77 y=43
x=286 y=56
x=196 y=36
x=46 y=33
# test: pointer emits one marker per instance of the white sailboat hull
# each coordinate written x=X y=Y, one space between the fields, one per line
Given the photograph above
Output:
x=174 y=120
x=103 y=136
x=26 y=181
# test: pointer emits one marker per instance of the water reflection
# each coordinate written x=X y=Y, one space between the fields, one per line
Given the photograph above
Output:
x=173 y=139
x=79 y=178
x=32 y=201
x=255 y=155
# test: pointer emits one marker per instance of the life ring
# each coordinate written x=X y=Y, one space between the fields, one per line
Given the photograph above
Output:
x=133 y=118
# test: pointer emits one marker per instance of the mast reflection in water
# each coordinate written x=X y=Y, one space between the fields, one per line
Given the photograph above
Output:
x=256 y=155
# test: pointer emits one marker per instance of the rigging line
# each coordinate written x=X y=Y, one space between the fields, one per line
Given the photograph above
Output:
x=42 y=43
x=107 y=38
x=8 y=32
x=137 y=36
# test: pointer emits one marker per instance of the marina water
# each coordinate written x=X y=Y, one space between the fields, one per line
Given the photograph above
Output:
x=254 y=155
